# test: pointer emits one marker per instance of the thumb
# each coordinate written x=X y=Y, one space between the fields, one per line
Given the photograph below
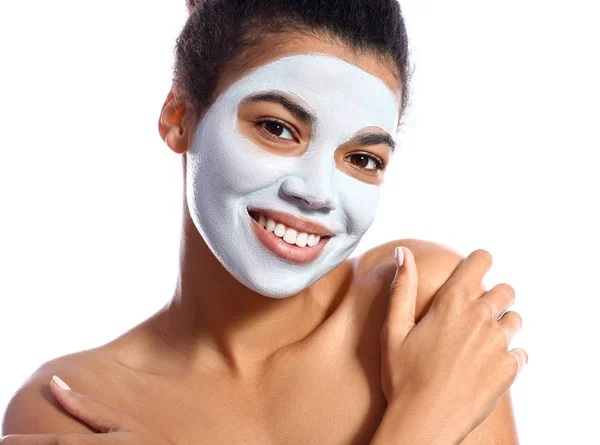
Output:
x=96 y=414
x=400 y=318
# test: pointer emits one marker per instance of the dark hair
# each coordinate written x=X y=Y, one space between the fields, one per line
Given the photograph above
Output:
x=218 y=31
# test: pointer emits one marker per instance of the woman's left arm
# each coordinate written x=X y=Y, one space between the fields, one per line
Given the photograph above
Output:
x=436 y=263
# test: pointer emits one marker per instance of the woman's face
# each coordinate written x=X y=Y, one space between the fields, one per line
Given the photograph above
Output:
x=284 y=169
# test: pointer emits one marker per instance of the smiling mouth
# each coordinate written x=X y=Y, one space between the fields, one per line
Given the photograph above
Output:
x=292 y=235
x=285 y=242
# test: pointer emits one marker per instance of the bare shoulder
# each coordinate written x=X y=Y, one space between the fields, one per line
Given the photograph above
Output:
x=34 y=410
x=435 y=263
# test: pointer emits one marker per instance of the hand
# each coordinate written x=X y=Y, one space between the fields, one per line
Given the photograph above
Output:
x=118 y=427
x=453 y=367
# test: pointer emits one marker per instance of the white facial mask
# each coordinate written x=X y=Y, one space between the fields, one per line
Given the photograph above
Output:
x=227 y=173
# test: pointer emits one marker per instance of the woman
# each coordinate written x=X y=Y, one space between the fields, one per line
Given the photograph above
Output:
x=284 y=113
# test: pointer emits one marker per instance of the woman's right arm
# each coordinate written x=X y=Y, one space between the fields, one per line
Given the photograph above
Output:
x=34 y=410
x=444 y=375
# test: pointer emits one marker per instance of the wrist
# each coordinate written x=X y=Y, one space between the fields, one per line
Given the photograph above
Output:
x=411 y=421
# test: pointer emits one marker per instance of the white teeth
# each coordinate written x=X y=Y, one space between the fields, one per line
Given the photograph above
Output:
x=301 y=239
x=279 y=230
x=290 y=236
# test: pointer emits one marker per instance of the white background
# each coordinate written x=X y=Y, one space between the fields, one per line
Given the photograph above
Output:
x=499 y=151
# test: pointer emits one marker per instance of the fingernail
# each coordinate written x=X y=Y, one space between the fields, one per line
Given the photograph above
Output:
x=399 y=254
x=60 y=383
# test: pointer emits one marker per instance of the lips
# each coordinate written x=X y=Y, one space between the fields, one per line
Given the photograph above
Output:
x=293 y=222
x=289 y=252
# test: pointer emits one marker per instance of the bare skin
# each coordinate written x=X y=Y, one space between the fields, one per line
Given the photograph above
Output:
x=222 y=364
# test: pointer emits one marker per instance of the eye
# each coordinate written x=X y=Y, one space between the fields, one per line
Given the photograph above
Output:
x=367 y=161
x=277 y=129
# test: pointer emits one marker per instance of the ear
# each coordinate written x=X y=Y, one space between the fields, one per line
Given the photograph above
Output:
x=171 y=124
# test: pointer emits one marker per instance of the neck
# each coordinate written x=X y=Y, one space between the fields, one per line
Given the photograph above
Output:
x=213 y=317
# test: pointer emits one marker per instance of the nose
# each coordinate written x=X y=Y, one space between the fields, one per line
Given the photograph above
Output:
x=315 y=192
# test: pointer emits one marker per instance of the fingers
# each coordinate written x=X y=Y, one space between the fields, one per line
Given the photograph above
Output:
x=96 y=414
x=466 y=278
x=32 y=439
x=500 y=298
x=124 y=438
x=400 y=318
x=511 y=323
x=521 y=356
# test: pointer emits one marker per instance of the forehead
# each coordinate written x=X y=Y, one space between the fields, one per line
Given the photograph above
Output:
x=330 y=88
x=298 y=44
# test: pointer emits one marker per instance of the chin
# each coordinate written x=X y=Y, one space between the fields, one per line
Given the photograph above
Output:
x=287 y=280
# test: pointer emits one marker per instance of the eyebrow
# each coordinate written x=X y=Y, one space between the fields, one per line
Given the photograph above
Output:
x=299 y=112
x=375 y=139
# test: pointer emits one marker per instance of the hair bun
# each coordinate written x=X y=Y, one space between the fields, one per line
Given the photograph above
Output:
x=192 y=5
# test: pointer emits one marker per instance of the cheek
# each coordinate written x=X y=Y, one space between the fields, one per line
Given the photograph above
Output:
x=230 y=161
x=359 y=201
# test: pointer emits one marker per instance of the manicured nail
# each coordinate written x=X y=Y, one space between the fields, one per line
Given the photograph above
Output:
x=60 y=383
x=399 y=254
